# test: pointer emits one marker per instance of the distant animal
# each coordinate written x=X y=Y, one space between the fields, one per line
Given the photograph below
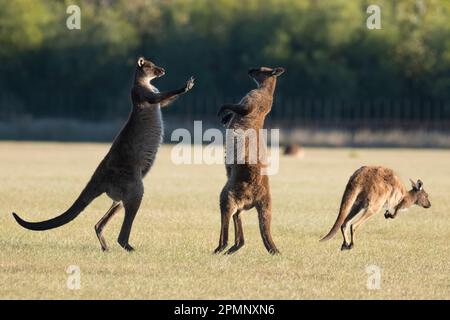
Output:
x=294 y=149
x=246 y=186
x=131 y=156
x=368 y=190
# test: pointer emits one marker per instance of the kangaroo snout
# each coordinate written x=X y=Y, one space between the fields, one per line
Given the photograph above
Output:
x=160 y=71
x=278 y=71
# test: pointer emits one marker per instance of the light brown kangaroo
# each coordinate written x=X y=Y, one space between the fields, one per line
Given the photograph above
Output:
x=131 y=156
x=368 y=190
x=246 y=186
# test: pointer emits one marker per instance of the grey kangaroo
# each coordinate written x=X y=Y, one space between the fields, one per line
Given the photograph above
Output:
x=246 y=187
x=131 y=156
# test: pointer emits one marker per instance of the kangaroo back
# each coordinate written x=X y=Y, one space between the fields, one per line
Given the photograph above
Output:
x=89 y=193
x=348 y=199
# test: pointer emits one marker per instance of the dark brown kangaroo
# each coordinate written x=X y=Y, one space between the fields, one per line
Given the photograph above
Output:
x=131 y=156
x=246 y=186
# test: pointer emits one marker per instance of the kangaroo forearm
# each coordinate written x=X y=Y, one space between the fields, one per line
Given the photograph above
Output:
x=163 y=96
x=236 y=108
x=389 y=215
x=168 y=101
x=397 y=210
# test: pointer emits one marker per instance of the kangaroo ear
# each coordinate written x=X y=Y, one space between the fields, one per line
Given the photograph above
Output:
x=277 y=71
x=413 y=184
x=419 y=185
x=140 y=62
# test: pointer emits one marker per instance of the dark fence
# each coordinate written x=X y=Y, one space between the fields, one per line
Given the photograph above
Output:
x=381 y=114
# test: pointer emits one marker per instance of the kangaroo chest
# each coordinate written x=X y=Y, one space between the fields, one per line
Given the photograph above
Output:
x=150 y=137
x=393 y=199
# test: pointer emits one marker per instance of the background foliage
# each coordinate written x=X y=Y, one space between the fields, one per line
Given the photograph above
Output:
x=47 y=70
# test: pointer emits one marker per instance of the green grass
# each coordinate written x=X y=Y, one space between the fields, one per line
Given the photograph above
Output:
x=177 y=228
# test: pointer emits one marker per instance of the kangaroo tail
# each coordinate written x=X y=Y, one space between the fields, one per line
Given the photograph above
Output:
x=348 y=200
x=89 y=193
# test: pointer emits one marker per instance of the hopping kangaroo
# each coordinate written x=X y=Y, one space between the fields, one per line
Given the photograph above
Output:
x=246 y=186
x=131 y=156
x=368 y=190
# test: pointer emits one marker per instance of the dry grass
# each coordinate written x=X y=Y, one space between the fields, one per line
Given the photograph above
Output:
x=178 y=224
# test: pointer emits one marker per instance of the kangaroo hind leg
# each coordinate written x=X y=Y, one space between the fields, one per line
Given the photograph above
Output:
x=131 y=204
x=228 y=208
x=238 y=233
x=369 y=212
x=265 y=217
x=356 y=208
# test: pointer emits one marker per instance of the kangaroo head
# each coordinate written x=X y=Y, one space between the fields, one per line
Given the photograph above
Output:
x=260 y=75
x=145 y=69
x=420 y=194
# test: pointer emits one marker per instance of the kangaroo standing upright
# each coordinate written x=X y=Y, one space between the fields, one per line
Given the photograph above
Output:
x=246 y=186
x=368 y=190
x=131 y=156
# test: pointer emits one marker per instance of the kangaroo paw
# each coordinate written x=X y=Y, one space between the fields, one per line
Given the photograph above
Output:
x=389 y=215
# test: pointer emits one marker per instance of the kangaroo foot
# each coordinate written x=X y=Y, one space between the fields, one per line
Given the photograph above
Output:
x=346 y=246
x=275 y=252
x=220 y=248
x=102 y=240
x=127 y=247
x=234 y=248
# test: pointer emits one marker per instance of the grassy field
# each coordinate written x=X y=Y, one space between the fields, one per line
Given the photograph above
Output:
x=178 y=227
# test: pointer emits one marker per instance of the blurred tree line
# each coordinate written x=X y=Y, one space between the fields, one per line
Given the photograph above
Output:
x=325 y=46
